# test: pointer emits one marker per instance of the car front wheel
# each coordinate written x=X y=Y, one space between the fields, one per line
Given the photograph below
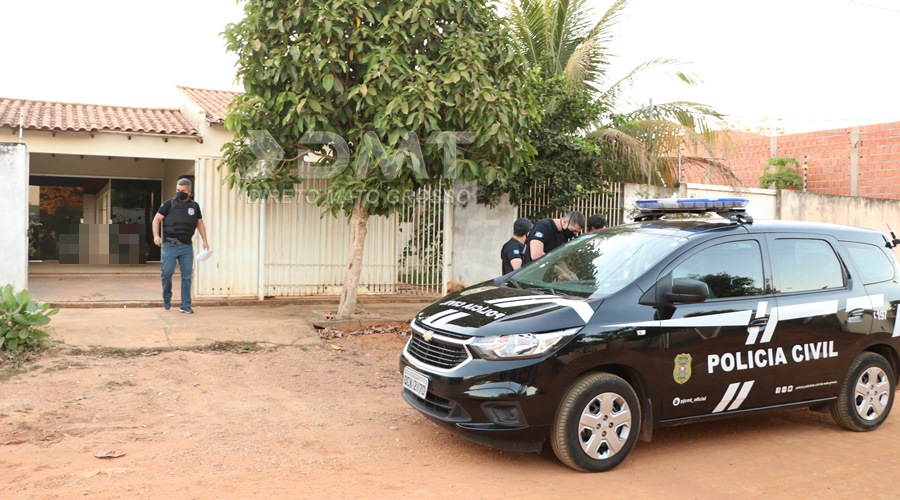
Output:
x=866 y=394
x=597 y=423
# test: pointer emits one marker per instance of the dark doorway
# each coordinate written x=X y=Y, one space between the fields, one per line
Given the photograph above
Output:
x=136 y=202
x=68 y=215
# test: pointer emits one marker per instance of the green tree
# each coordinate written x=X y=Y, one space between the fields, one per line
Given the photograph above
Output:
x=564 y=37
x=381 y=93
x=784 y=176
x=566 y=165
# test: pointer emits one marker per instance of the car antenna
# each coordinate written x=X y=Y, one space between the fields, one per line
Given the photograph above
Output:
x=894 y=240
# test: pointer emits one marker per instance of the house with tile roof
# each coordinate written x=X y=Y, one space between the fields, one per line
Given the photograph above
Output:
x=116 y=163
x=96 y=175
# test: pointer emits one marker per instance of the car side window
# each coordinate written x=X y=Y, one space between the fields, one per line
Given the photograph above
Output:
x=873 y=263
x=806 y=265
x=732 y=269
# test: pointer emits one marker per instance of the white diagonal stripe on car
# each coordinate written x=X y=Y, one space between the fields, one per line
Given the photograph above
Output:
x=797 y=311
x=439 y=315
x=582 y=308
x=742 y=395
x=734 y=318
x=762 y=308
x=517 y=299
x=752 y=333
x=897 y=322
x=448 y=319
x=770 y=326
x=729 y=393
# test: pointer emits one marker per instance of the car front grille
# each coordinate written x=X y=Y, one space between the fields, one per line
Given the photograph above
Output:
x=435 y=352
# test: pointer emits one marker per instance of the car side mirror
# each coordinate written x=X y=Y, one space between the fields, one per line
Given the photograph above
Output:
x=688 y=291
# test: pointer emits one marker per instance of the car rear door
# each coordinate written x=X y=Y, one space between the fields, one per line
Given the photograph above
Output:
x=875 y=265
x=717 y=361
x=819 y=317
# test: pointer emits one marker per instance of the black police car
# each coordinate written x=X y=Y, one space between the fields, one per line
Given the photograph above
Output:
x=661 y=322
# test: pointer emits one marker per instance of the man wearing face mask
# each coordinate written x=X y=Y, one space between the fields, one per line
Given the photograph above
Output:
x=182 y=217
x=548 y=234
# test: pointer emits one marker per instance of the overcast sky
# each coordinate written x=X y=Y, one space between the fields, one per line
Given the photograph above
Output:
x=792 y=64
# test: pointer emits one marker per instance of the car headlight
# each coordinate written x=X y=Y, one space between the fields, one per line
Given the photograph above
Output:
x=518 y=346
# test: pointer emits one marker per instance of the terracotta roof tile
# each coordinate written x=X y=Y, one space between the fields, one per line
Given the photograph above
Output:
x=62 y=116
x=214 y=102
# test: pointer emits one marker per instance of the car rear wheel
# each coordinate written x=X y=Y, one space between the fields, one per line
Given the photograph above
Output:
x=866 y=394
x=597 y=423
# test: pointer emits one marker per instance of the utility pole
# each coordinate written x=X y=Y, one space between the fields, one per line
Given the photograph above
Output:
x=650 y=117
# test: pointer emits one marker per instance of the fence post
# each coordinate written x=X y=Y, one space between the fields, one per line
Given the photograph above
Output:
x=805 y=170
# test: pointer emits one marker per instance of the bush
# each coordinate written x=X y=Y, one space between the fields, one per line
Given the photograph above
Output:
x=784 y=175
x=21 y=319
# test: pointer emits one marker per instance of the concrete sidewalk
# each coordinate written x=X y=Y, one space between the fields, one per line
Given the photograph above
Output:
x=155 y=328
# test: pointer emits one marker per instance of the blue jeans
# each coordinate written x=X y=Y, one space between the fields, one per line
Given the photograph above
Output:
x=184 y=254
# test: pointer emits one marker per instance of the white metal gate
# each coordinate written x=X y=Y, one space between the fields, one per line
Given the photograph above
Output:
x=232 y=227
x=424 y=238
x=608 y=203
x=306 y=253
x=307 y=250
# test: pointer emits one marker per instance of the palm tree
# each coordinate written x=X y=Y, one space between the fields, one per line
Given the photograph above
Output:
x=560 y=38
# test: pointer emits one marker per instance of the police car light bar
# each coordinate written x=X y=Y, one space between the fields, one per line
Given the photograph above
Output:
x=693 y=204
x=733 y=209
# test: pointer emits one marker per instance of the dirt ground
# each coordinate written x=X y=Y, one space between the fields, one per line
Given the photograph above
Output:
x=328 y=421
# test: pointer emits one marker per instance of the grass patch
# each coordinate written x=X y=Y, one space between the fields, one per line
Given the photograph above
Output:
x=113 y=384
x=239 y=347
x=14 y=363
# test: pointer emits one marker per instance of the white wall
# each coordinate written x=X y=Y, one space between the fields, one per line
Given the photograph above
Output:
x=871 y=213
x=14 y=207
x=479 y=232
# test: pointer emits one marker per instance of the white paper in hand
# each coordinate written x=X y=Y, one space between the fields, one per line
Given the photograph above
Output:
x=204 y=255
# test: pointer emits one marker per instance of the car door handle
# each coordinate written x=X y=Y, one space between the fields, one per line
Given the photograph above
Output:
x=855 y=315
x=760 y=322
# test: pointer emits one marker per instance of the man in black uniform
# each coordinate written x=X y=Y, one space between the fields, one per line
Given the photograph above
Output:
x=548 y=234
x=182 y=217
x=511 y=253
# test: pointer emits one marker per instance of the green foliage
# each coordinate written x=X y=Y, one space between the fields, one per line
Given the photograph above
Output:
x=397 y=72
x=563 y=39
x=34 y=232
x=566 y=37
x=21 y=320
x=784 y=176
x=566 y=165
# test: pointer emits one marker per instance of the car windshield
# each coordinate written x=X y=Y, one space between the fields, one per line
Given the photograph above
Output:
x=596 y=264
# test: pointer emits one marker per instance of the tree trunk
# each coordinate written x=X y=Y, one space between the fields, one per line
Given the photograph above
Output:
x=358 y=230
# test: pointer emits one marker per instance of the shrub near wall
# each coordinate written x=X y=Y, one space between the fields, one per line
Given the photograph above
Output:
x=21 y=320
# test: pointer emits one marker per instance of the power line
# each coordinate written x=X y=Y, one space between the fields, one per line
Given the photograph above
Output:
x=824 y=120
x=873 y=6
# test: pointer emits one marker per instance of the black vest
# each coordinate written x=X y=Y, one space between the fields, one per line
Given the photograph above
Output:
x=182 y=221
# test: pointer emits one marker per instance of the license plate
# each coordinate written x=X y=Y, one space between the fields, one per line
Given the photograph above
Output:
x=415 y=381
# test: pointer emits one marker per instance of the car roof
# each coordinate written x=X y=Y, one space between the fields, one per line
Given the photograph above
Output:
x=695 y=227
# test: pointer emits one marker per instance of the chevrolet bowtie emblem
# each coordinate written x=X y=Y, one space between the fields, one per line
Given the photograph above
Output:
x=427 y=336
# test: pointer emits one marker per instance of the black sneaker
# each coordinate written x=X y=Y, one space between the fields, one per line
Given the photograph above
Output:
x=167 y=305
x=187 y=310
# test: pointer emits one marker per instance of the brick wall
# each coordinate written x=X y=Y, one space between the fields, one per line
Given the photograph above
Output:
x=832 y=155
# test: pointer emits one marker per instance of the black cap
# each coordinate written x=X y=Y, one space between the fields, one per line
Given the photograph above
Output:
x=521 y=226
